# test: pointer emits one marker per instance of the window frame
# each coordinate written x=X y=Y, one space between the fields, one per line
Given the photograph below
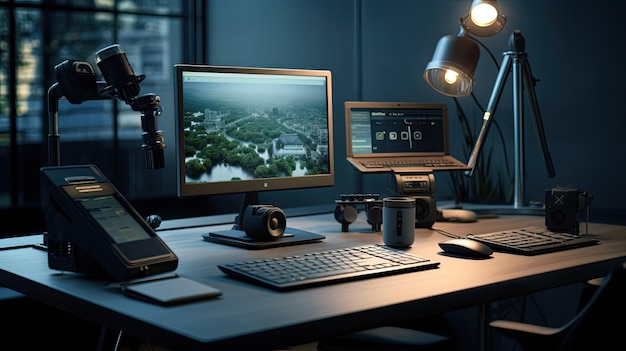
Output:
x=192 y=18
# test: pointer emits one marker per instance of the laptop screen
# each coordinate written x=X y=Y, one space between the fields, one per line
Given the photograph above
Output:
x=376 y=128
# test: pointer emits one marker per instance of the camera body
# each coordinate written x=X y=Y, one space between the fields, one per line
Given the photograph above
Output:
x=264 y=222
x=564 y=208
x=421 y=187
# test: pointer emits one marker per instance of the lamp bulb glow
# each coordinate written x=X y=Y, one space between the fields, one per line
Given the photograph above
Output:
x=484 y=15
x=450 y=76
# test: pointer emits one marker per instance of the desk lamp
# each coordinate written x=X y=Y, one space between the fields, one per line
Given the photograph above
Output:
x=451 y=73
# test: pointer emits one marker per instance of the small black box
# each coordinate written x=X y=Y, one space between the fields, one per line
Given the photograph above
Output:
x=563 y=207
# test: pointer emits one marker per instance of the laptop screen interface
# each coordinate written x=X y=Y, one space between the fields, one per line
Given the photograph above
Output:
x=391 y=130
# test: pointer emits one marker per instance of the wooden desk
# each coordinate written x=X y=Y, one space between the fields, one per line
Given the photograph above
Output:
x=249 y=315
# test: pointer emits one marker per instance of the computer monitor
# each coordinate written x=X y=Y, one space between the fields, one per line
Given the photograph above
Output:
x=247 y=130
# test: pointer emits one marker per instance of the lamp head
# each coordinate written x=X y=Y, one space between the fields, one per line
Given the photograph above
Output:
x=484 y=18
x=451 y=70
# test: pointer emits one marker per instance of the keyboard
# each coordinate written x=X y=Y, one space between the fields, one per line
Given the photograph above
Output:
x=327 y=267
x=434 y=163
x=532 y=240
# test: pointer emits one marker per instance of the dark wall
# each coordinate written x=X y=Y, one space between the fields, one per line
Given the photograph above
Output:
x=378 y=49
x=292 y=34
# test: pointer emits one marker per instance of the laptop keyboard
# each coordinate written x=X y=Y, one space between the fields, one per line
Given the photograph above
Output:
x=327 y=267
x=532 y=240
x=434 y=163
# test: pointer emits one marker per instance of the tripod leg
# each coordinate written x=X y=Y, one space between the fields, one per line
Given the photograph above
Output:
x=491 y=108
x=518 y=134
x=532 y=98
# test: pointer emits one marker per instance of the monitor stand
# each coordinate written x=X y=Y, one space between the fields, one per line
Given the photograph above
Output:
x=236 y=236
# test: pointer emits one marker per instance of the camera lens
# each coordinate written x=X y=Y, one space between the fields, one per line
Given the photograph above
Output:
x=264 y=222
x=117 y=71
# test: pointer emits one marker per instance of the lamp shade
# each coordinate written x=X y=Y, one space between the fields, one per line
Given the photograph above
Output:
x=451 y=70
x=484 y=18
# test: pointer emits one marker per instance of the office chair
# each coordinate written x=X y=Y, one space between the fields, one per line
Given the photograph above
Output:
x=599 y=325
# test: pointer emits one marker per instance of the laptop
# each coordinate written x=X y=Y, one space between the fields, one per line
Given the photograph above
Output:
x=398 y=137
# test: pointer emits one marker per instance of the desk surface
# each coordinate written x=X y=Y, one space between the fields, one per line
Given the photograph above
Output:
x=250 y=315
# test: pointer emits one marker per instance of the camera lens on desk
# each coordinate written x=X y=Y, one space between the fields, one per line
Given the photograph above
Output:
x=264 y=222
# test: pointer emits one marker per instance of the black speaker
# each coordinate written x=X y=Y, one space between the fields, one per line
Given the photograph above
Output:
x=345 y=214
x=264 y=222
x=563 y=208
x=425 y=211
x=375 y=216
x=346 y=211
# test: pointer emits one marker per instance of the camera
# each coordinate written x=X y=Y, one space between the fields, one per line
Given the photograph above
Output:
x=76 y=80
x=421 y=187
x=264 y=222
x=563 y=209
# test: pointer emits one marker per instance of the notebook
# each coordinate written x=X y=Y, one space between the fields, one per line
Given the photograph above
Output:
x=398 y=136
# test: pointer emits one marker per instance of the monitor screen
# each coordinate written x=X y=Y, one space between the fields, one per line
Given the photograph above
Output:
x=246 y=130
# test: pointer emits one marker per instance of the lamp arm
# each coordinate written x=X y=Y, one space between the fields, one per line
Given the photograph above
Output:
x=500 y=134
x=489 y=112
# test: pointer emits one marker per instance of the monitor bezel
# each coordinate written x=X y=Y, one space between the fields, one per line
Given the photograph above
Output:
x=185 y=189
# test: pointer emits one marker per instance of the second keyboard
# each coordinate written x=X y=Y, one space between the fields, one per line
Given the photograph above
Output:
x=532 y=240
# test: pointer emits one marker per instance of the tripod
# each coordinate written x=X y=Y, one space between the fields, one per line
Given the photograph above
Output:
x=515 y=61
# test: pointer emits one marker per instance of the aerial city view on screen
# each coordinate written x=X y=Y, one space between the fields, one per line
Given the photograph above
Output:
x=238 y=131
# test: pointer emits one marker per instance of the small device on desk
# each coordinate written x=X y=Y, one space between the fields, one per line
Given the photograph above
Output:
x=169 y=290
x=466 y=248
x=92 y=229
x=260 y=227
x=346 y=210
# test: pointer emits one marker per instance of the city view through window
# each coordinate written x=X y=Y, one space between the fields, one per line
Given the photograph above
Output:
x=36 y=36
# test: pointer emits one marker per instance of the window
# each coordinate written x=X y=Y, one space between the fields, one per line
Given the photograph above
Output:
x=35 y=36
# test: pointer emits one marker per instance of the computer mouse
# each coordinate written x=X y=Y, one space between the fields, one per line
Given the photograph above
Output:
x=466 y=247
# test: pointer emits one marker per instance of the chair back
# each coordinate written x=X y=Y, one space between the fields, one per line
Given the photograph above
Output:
x=601 y=322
